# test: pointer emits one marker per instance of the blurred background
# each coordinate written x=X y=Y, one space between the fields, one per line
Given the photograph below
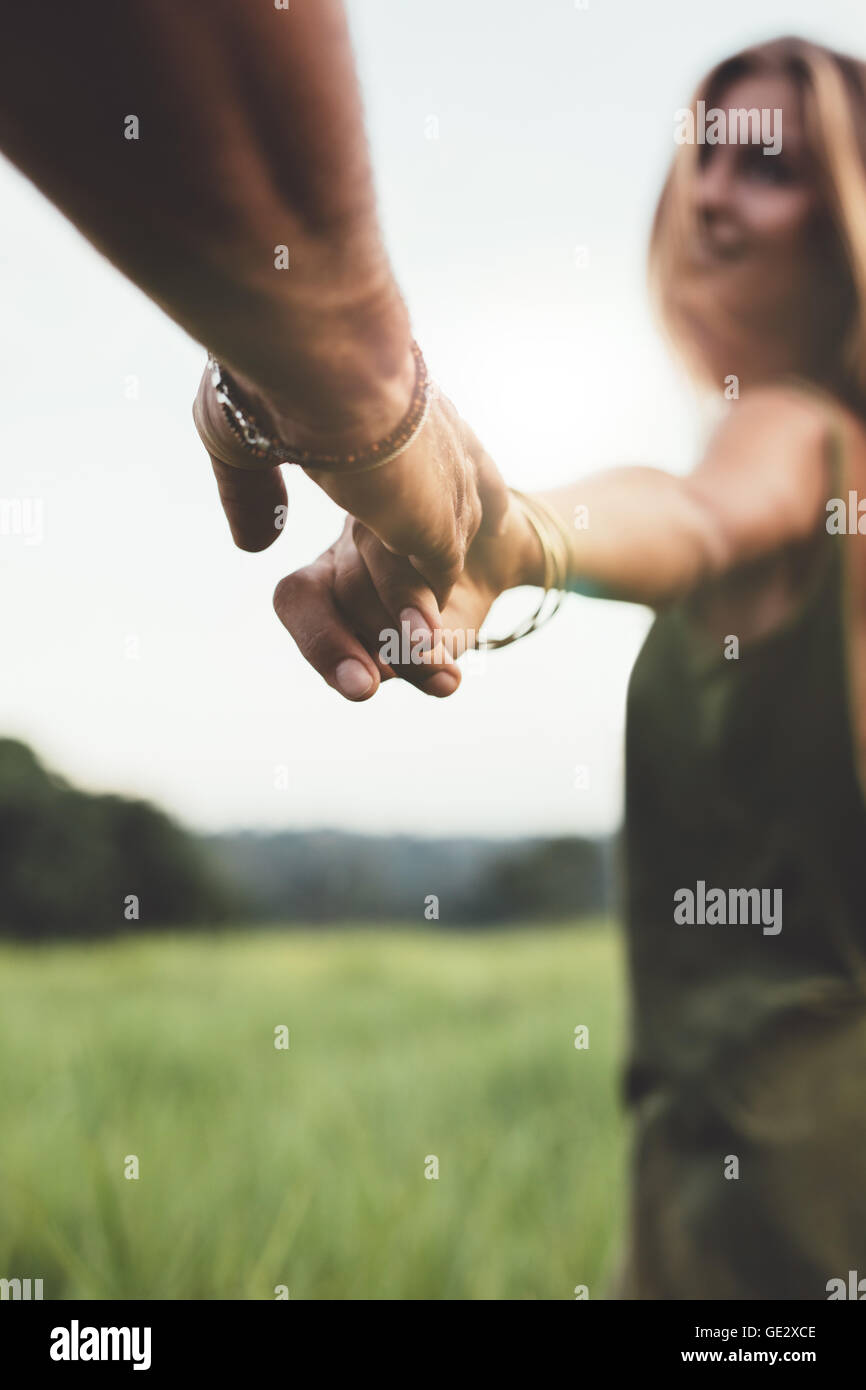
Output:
x=200 y=842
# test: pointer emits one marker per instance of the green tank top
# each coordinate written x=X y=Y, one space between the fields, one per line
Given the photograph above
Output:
x=741 y=774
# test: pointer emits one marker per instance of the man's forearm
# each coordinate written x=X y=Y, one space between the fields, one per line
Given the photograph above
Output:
x=249 y=137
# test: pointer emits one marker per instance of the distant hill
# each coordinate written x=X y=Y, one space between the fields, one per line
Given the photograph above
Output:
x=74 y=864
x=330 y=875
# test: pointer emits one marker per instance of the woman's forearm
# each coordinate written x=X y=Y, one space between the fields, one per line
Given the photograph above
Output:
x=636 y=534
x=647 y=536
x=190 y=141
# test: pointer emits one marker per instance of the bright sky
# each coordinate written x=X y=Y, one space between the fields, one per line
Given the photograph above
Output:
x=140 y=650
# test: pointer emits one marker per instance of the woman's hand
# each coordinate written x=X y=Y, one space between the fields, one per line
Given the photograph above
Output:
x=360 y=614
x=426 y=505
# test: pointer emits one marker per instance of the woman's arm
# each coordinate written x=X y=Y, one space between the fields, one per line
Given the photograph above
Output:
x=647 y=536
x=190 y=142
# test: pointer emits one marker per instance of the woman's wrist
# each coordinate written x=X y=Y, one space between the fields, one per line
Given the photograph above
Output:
x=525 y=562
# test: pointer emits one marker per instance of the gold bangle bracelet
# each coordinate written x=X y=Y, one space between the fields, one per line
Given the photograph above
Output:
x=555 y=550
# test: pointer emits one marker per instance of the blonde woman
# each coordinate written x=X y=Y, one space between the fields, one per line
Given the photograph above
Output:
x=746 y=825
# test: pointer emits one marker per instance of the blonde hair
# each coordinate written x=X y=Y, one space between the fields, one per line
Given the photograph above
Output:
x=833 y=88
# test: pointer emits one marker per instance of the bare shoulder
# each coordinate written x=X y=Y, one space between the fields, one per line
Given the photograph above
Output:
x=783 y=420
x=766 y=468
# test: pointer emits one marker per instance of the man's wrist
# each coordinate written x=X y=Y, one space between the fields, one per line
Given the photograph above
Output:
x=328 y=375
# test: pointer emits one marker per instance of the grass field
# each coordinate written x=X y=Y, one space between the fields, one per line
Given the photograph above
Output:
x=262 y=1167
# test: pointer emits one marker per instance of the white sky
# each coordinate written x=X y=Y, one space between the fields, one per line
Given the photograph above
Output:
x=554 y=129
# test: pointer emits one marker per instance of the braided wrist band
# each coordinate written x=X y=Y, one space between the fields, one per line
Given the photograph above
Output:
x=260 y=445
x=555 y=546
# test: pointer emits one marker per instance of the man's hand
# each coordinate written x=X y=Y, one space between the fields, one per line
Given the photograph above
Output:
x=427 y=505
x=255 y=149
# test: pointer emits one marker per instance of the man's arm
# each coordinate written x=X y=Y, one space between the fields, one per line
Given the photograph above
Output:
x=189 y=141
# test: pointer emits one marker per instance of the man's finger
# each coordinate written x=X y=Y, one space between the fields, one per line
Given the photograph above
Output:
x=253 y=497
x=255 y=504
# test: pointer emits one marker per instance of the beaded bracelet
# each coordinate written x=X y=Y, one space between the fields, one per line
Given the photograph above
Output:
x=246 y=429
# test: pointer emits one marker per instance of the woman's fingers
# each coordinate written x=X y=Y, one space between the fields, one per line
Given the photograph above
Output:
x=306 y=606
x=400 y=649
x=406 y=600
x=339 y=612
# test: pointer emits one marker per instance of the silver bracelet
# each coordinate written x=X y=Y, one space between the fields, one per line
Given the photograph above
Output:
x=246 y=429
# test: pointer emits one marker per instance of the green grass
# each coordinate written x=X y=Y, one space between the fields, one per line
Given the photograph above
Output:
x=305 y=1167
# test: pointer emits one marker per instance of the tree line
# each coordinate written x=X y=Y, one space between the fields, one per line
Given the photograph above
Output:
x=77 y=864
